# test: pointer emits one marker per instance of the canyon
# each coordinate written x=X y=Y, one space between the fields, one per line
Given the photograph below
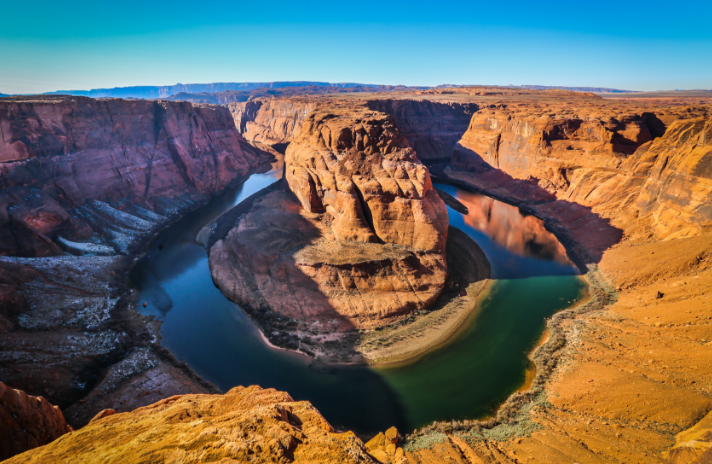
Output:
x=85 y=184
x=624 y=184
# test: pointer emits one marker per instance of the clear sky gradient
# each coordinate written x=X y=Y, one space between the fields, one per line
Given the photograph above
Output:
x=76 y=44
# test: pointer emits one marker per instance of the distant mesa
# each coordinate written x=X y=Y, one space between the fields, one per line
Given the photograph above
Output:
x=166 y=91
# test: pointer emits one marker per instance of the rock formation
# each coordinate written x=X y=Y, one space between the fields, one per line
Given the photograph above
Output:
x=60 y=154
x=246 y=425
x=83 y=183
x=361 y=245
x=694 y=445
x=431 y=128
x=27 y=422
x=271 y=121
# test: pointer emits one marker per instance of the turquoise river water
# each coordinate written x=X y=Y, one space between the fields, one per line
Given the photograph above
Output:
x=467 y=378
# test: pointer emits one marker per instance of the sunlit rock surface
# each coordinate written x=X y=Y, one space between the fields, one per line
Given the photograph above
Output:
x=244 y=425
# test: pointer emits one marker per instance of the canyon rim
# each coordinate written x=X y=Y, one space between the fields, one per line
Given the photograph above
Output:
x=375 y=240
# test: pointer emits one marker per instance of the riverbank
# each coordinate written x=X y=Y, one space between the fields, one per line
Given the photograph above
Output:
x=401 y=344
x=610 y=363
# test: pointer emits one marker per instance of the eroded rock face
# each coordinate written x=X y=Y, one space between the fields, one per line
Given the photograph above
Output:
x=27 y=422
x=358 y=168
x=546 y=144
x=432 y=128
x=244 y=425
x=597 y=170
x=361 y=245
x=271 y=121
x=678 y=189
x=59 y=153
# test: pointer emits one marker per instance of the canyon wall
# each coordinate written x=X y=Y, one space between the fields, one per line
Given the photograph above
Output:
x=431 y=128
x=83 y=184
x=596 y=169
x=66 y=160
x=271 y=121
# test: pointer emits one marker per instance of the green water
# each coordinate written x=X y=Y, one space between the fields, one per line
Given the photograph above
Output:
x=465 y=379
x=476 y=372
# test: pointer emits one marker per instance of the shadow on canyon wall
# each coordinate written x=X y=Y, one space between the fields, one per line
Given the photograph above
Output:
x=585 y=234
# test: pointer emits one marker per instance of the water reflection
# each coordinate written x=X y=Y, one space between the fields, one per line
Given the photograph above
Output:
x=182 y=252
x=517 y=245
x=468 y=378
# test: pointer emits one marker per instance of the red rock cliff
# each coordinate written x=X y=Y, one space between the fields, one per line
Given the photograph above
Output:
x=27 y=422
x=62 y=153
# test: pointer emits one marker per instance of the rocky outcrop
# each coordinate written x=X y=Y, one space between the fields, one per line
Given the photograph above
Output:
x=361 y=245
x=27 y=422
x=678 y=189
x=431 y=128
x=249 y=425
x=271 y=121
x=694 y=445
x=358 y=168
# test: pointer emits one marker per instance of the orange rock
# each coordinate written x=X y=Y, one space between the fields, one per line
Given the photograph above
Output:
x=367 y=246
x=355 y=165
x=102 y=414
x=27 y=422
x=244 y=425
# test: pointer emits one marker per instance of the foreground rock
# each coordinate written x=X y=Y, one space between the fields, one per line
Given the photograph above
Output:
x=27 y=422
x=244 y=425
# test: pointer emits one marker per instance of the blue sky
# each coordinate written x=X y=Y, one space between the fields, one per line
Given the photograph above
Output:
x=51 y=45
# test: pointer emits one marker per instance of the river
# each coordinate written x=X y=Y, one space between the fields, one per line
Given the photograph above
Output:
x=467 y=378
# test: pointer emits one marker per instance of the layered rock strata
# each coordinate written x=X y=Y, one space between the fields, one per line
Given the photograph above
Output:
x=357 y=241
x=67 y=163
x=83 y=183
x=271 y=121
x=431 y=128
x=27 y=422
x=247 y=425
x=581 y=170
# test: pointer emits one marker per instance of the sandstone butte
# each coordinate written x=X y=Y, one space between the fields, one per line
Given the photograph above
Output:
x=357 y=242
x=625 y=185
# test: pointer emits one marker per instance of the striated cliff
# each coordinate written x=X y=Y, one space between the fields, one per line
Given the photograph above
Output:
x=83 y=183
x=27 y=422
x=66 y=163
x=431 y=128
